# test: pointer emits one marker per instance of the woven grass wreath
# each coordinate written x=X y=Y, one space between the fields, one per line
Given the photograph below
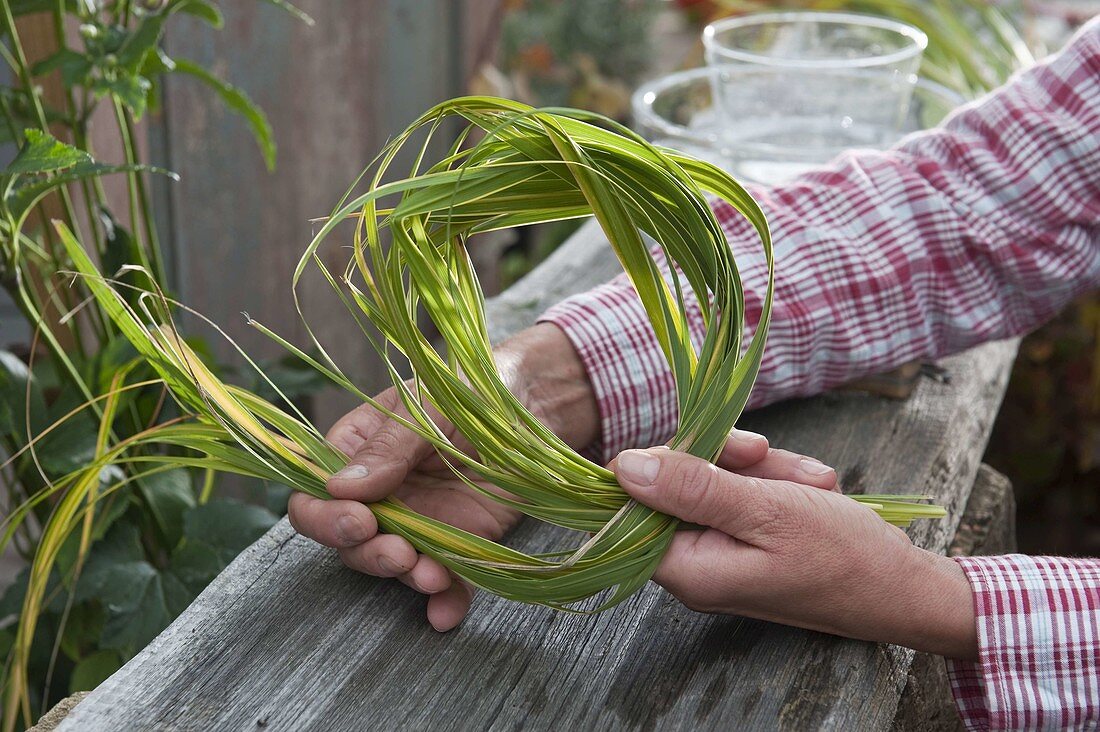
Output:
x=512 y=165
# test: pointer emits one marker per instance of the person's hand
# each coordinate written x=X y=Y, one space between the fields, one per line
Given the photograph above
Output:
x=544 y=372
x=785 y=552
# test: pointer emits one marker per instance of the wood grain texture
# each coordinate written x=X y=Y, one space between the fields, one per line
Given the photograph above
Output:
x=287 y=638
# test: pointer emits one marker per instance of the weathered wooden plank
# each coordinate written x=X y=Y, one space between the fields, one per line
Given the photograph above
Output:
x=286 y=638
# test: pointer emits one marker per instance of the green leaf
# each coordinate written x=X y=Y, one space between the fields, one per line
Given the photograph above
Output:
x=107 y=513
x=11 y=601
x=169 y=496
x=7 y=640
x=14 y=375
x=130 y=89
x=142 y=602
x=82 y=629
x=69 y=447
x=24 y=197
x=293 y=377
x=44 y=153
x=140 y=42
x=239 y=102
x=99 y=370
x=74 y=66
x=277 y=497
x=121 y=545
x=196 y=563
x=207 y=11
x=139 y=600
x=93 y=670
x=227 y=527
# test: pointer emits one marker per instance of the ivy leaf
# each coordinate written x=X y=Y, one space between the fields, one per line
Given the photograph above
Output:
x=11 y=601
x=44 y=153
x=168 y=495
x=14 y=375
x=118 y=353
x=69 y=447
x=139 y=599
x=214 y=534
x=239 y=102
x=108 y=511
x=227 y=527
x=93 y=670
x=82 y=629
x=196 y=564
x=7 y=640
x=292 y=376
x=141 y=602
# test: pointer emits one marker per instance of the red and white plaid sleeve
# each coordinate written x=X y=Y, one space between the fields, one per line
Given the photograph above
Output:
x=1038 y=624
x=980 y=229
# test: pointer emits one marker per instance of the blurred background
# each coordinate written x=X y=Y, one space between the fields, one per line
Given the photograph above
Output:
x=267 y=112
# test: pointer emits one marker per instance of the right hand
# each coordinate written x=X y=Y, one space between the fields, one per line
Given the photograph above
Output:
x=541 y=368
x=773 y=548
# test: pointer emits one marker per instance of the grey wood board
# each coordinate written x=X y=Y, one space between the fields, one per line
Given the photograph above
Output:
x=286 y=638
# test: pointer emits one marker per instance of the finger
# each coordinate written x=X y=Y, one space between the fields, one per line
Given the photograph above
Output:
x=380 y=464
x=386 y=555
x=428 y=576
x=742 y=449
x=697 y=491
x=447 y=609
x=333 y=523
x=784 y=465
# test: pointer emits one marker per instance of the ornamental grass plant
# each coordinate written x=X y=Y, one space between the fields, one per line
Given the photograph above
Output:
x=529 y=166
x=511 y=165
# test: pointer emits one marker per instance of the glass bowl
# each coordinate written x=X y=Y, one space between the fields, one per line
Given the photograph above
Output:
x=678 y=111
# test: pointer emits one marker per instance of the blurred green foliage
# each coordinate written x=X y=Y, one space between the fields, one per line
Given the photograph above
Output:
x=153 y=544
x=1047 y=435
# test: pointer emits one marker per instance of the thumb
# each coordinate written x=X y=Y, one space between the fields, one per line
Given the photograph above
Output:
x=694 y=490
x=380 y=464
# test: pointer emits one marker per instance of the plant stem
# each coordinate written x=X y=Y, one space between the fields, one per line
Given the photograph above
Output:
x=139 y=203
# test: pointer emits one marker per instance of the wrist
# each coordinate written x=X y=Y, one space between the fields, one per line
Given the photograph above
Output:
x=541 y=367
x=935 y=611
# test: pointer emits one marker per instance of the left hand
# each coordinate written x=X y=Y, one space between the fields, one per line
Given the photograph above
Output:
x=780 y=550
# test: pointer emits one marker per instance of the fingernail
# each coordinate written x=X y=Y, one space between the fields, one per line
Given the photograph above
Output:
x=747 y=438
x=354 y=471
x=351 y=529
x=810 y=466
x=388 y=565
x=639 y=467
